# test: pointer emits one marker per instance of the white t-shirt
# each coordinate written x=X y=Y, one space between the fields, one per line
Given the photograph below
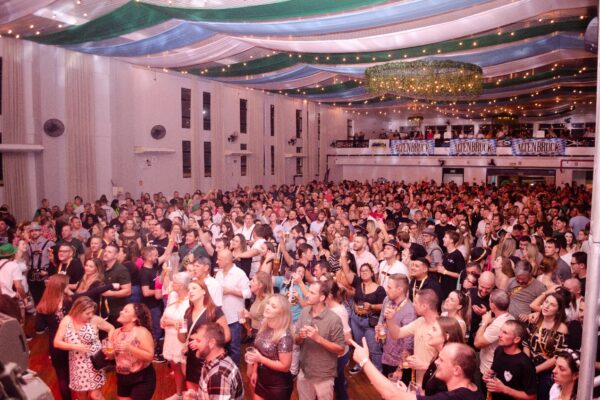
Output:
x=235 y=279
x=257 y=245
x=385 y=270
x=341 y=312
x=491 y=334
x=9 y=273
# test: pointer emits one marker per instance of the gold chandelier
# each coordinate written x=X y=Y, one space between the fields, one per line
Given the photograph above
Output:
x=431 y=79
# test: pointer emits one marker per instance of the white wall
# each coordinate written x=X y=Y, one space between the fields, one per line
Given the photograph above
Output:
x=128 y=100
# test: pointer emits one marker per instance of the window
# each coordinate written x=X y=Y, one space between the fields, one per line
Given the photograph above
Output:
x=186 y=108
x=207 y=160
x=1 y=167
x=243 y=160
x=272 y=160
x=272 y=119
x=243 y=116
x=186 y=157
x=318 y=143
x=299 y=164
x=206 y=111
x=298 y=124
x=349 y=129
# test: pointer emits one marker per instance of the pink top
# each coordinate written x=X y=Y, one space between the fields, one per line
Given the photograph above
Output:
x=127 y=363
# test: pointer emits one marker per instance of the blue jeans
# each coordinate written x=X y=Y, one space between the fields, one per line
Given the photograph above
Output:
x=235 y=350
x=360 y=328
x=136 y=294
x=340 y=385
x=156 y=313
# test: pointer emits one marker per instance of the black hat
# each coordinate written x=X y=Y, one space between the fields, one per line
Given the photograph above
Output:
x=478 y=254
x=392 y=243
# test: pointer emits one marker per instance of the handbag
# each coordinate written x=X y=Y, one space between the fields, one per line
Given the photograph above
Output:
x=101 y=362
x=373 y=320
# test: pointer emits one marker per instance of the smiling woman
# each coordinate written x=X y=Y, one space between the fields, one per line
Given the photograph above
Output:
x=78 y=333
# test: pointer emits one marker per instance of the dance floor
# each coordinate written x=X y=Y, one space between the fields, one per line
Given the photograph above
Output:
x=39 y=361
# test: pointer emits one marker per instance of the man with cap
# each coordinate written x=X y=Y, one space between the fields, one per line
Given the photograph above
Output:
x=39 y=260
x=420 y=279
x=11 y=277
x=390 y=264
x=435 y=254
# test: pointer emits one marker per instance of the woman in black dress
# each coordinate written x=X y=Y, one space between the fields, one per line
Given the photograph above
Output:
x=202 y=310
x=269 y=366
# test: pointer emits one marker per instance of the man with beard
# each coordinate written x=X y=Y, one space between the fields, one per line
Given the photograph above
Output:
x=220 y=377
x=39 y=261
x=480 y=301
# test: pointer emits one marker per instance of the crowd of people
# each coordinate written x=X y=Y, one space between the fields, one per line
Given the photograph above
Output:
x=435 y=291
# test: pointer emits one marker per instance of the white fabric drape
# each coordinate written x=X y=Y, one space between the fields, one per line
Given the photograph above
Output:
x=13 y=99
x=80 y=125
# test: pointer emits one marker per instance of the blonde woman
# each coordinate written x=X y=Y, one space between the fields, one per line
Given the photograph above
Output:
x=269 y=366
x=503 y=271
x=78 y=333
x=261 y=286
x=172 y=321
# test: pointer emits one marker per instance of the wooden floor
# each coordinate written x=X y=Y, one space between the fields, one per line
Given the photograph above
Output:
x=39 y=361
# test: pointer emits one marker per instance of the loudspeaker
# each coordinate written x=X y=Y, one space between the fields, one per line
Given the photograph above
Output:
x=13 y=343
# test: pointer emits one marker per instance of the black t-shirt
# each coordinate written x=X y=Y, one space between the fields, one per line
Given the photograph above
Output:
x=74 y=270
x=456 y=394
x=160 y=244
x=118 y=225
x=134 y=272
x=148 y=277
x=375 y=297
x=515 y=371
x=117 y=274
x=440 y=231
x=453 y=262
x=430 y=283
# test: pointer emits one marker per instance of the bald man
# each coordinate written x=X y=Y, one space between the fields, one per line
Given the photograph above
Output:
x=480 y=300
x=236 y=288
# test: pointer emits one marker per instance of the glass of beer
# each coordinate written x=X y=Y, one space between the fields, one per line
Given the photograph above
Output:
x=107 y=345
x=249 y=350
x=380 y=332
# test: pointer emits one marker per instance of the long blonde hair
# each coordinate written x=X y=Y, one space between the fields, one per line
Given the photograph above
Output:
x=283 y=321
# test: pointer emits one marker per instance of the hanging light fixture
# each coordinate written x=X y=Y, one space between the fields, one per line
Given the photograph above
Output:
x=431 y=79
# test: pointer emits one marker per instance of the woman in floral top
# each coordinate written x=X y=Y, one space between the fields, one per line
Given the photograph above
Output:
x=269 y=366
x=546 y=340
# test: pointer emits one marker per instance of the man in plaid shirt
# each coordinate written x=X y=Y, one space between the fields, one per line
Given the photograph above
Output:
x=220 y=378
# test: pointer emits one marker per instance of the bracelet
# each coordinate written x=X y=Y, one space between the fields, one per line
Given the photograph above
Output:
x=363 y=362
x=444 y=272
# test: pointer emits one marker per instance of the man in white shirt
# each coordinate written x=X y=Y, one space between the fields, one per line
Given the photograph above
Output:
x=248 y=227
x=390 y=264
x=486 y=337
x=317 y=225
x=236 y=288
x=201 y=270
x=361 y=252
x=11 y=277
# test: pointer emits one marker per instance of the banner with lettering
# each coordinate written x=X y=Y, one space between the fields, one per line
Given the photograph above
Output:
x=412 y=147
x=472 y=147
x=539 y=147
x=381 y=144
